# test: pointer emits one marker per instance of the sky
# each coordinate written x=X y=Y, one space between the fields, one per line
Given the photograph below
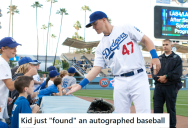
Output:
x=137 y=12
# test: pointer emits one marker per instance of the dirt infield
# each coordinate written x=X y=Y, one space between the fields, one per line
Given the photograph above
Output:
x=182 y=122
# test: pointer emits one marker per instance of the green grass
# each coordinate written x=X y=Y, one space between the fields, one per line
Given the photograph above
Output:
x=181 y=103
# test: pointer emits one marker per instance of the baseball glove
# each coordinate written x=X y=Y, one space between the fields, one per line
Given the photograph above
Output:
x=100 y=106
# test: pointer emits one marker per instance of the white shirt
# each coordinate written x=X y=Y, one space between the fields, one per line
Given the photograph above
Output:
x=120 y=50
x=5 y=73
x=50 y=82
x=36 y=78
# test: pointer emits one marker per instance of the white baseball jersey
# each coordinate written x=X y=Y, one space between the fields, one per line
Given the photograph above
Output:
x=5 y=73
x=120 y=50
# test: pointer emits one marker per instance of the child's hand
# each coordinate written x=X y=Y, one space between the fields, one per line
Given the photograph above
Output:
x=34 y=94
x=53 y=94
x=9 y=101
x=35 y=109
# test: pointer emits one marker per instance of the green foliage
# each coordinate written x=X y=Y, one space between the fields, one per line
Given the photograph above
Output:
x=36 y=4
x=65 y=65
x=62 y=11
x=86 y=8
x=77 y=25
x=13 y=9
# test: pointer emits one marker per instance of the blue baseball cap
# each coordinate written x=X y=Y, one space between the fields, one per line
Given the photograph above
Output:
x=26 y=60
x=9 y=42
x=96 y=16
x=51 y=68
x=36 y=62
x=71 y=70
x=53 y=73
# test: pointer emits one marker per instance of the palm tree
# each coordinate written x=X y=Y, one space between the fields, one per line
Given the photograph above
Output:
x=44 y=28
x=37 y=5
x=85 y=8
x=77 y=37
x=53 y=36
x=52 y=1
x=13 y=10
x=77 y=26
x=61 y=11
x=50 y=25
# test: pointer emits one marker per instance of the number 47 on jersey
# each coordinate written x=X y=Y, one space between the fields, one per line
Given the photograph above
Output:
x=125 y=50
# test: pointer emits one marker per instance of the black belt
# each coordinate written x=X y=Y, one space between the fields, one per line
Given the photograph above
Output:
x=129 y=73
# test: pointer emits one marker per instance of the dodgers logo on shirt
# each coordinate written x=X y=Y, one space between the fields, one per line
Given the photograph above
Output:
x=104 y=82
x=109 y=52
x=65 y=82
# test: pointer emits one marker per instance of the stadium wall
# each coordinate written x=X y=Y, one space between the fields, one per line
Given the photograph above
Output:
x=106 y=83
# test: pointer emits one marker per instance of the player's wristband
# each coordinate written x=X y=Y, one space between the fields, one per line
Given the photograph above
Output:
x=84 y=82
x=153 y=53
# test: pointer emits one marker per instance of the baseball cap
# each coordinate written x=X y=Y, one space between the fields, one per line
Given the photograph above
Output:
x=53 y=73
x=9 y=42
x=36 y=62
x=51 y=68
x=71 y=70
x=25 y=60
x=96 y=16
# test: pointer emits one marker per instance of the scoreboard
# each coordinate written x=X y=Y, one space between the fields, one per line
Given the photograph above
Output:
x=171 y=22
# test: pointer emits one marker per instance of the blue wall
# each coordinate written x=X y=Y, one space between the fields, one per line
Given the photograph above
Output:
x=94 y=84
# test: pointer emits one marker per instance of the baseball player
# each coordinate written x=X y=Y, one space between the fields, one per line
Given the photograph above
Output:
x=120 y=51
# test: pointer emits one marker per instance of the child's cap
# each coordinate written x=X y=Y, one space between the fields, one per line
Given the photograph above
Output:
x=53 y=73
x=71 y=70
x=51 y=68
x=25 y=60
x=9 y=42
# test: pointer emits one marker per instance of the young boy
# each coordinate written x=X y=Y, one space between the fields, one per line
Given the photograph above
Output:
x=52 y=74
x=25 y=86
x=8 y=49
x=69 y=79
x=52 y=89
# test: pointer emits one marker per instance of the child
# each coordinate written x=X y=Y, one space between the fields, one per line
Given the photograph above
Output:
x=25 y=86
x=69 y=79
x=8 y=49
x=52 y=74
x=53 y=89
x=63 y=73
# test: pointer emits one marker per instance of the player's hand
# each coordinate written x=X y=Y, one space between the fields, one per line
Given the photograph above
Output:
x=31 y=72
x=155 y=61
x=73 y=88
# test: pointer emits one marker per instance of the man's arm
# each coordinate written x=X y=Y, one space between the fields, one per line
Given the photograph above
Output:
x=38 y=82
x=149 y=45
x=177 y=72
x=90 y=76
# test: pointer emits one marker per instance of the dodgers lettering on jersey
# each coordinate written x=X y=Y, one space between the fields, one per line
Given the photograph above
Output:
x=120 y=50
x=109 y=52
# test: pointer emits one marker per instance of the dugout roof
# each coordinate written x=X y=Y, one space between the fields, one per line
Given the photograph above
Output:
x=80 y=44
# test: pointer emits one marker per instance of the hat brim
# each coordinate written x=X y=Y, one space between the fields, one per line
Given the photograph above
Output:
x=89 y=25
x=34 y=63
x=13 y=45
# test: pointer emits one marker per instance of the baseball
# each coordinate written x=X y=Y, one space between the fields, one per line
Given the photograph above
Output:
x=64 y=91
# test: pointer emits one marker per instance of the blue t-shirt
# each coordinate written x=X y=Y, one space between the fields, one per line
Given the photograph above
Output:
x=48 y=91
x=42 y=86
x=21 y=105
x=3 y=125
